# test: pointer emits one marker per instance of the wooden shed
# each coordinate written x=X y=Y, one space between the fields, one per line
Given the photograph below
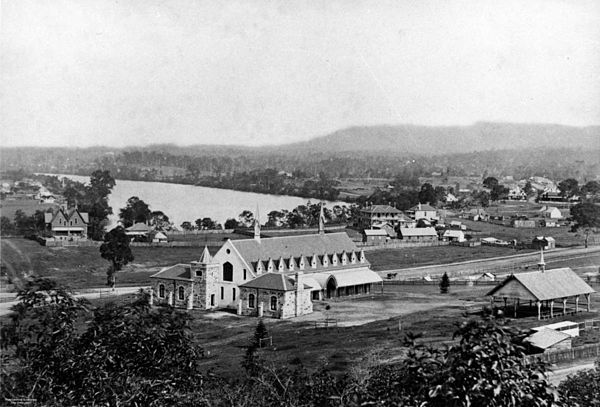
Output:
x=554 y=292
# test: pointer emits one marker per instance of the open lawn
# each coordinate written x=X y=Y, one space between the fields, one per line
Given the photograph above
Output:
x=82 y=267
x=422 y=256
x=8 y=207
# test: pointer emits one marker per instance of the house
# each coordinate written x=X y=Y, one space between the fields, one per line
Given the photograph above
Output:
x=276 y=295
x=549 y=242
x=379 y=214
x=569 y=327
x=493 y=241
x=66 y=224
x=418 y=235
x=548 y=339
x=549 y=223
x=523 y=223
x=516 y=194
x=545 y=289
x=375 y=236
x=157 y=237
x=138 y=230
x=423 y=211
x=454 y=235
x=331 y=264
x=450 y=198
x=551 y=212
x=477 y=214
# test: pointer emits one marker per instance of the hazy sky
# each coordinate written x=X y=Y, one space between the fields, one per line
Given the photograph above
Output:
x=258 y=72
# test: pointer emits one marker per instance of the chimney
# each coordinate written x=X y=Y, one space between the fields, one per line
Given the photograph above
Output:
x=419 y=205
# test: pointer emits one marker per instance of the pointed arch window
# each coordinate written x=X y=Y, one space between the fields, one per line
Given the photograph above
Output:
x=181 y=293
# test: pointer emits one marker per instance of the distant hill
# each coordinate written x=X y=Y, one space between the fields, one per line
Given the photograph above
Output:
x=453 y=139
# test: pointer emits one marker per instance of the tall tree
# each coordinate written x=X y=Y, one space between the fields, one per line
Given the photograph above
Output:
x=490 y=182
x=587 y=217
x=116 y=250
x=135 y=211
x=568 y=187
x=427 y=194
x=246 y=218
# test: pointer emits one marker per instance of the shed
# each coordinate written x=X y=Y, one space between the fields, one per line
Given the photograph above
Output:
x=549 y=339
x=454 y=235
x=374 y=236
x=544 y=288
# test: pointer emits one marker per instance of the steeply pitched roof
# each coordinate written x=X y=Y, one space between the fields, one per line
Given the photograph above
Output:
x=176 y=272
x=546 y=338
x=253 y=250
x=205 y=257
x=273 y=281
x=549 y=285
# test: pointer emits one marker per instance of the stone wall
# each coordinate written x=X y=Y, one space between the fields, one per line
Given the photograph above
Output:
x=286 y=303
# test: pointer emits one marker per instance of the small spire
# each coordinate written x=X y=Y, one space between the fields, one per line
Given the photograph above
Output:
x=205 y=258
x=542 y=263
x=257 y=225
x=321 y=221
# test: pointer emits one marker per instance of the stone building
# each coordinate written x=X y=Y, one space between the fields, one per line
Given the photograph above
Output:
x=329 y=264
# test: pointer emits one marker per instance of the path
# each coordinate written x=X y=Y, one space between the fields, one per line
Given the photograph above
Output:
x=560 y=373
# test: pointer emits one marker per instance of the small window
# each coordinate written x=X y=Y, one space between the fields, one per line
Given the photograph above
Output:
x=273 y=303
x=198 y=273
x=233 y=294
x=228 y=251
x=161 y=291
x=222 y=293
x=244 y=274
x=181 y=293
x=251 y=301
x=75 y=220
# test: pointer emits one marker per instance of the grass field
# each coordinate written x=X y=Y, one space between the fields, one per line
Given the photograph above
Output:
x=424 y=256
x=28 y=206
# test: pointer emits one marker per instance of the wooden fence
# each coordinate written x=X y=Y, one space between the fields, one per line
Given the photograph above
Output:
x=326 y=323
x=437 y=282
x=399 y=245
x=565 y=355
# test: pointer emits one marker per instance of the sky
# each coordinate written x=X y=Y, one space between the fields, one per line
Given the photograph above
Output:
x=106 y=72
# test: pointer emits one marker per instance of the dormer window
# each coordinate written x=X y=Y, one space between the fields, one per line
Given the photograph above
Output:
x=325 y=260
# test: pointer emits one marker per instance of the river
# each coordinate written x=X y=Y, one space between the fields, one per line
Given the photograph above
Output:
x=189 y=202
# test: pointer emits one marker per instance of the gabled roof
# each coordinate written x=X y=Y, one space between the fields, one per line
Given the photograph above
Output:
x=550 y=284
x=139 y=227
x=273 y=281
x=546 y=338
x=375 y=232
x=418 y=232
x=381 y=209
x=176 y=272
x=253 y=250
x=454 y=233
x=347 y=278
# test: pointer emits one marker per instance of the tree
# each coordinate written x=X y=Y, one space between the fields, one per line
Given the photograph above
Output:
x=444 y=284
x=528 y=189
x=6 y=226
x=427 y=194
x=159 y=220
x=499 y=191
x=490 y=182
x=568 y=187
x=246 y=219
x=587 y=217
x=135 y=211
x=95 y=202
x=591 y=187
x=231 y=223
x=116 y=250
x=187 y=225
x=276 y=218
x=206 y=224
x=583 y=388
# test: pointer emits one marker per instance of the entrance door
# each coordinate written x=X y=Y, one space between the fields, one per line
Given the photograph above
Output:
x=331 y=288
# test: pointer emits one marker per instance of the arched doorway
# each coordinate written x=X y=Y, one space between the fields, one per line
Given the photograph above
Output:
x=227 y=272
x=331 y=288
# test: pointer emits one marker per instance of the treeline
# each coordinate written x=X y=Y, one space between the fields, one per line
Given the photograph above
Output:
x=131 y=354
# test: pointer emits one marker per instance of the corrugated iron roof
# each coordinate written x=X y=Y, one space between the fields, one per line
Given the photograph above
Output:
x=418 y=232
x=273 y=281
x=550 y=284
x=546 y=338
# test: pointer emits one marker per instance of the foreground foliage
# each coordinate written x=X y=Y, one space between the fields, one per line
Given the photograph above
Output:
x=60 y=352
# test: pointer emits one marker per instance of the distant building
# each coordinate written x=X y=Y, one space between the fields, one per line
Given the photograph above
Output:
x=454 y=235
x=523 y=223
x=379 y=214
x=551 y=212
x=423 y=211
x=138 y=230
x=418 y=234
x=545 y=340
x=375 y=236
x=66 y=224
x=516 y=194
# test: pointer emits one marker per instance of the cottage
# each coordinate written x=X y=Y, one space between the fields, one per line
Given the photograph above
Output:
x=551 y=212
x=329 y=264
x=138 y=230
x=67 y=224
x=516 y=194
x=418 y=234
x=547 y=242
x=454 y=235
x=375 y=236
x=157 y=237
x=523 y=223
